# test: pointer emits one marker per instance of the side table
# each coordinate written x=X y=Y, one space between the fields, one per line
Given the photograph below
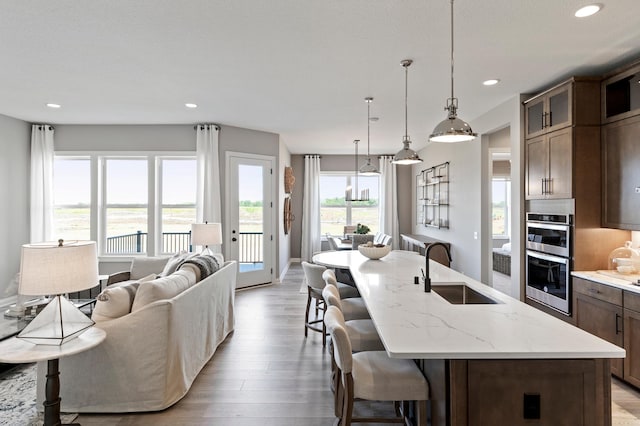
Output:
x=17 y=351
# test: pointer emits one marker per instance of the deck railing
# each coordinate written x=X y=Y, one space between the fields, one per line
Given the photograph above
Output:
x=250 y=250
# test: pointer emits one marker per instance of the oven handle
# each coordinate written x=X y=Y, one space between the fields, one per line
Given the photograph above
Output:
x=542 y=256
x=544 y=225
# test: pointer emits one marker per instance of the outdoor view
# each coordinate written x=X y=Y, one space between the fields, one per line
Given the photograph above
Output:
x=335 y=213
x=500 y=193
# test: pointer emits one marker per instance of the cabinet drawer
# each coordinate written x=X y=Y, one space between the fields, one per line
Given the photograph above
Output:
x=632 y=301
x=598 y=291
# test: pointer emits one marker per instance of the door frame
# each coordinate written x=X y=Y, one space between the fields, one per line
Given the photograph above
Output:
x=272 y=243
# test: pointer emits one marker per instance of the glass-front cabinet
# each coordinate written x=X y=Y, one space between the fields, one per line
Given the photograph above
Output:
x=549 y=111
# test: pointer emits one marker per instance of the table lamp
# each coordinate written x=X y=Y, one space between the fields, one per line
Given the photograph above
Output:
x=206 y=234
x=53 y=269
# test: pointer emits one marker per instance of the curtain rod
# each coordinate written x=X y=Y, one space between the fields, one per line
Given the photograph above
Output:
x=40 y=126
x=313 y=155
x=204 y=124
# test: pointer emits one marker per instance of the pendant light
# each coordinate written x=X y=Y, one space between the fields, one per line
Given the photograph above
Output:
x=452 y=129
x=368 y=169
x=348 y=193
x=406 y=155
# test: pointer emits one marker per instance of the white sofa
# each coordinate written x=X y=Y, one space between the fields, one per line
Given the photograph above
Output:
x=152 y=355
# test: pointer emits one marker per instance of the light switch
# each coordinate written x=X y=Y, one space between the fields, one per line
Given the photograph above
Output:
x=475 y=235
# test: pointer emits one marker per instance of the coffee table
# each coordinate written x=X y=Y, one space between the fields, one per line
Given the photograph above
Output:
x=17 y=351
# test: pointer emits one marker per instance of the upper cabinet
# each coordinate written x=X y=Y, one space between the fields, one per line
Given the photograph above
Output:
x=562 y=134
x=568 y=104
x=621 y=95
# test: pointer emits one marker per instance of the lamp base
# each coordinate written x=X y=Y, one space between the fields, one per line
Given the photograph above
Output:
x=59 y=322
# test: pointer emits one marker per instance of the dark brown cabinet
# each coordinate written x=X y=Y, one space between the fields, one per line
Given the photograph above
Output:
x=621 y=185
x=562 y=136
x=598 y=310
x=549 y=165
x=621 y=94
x=632 y=338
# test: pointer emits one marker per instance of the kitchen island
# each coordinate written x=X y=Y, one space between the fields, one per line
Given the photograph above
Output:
x=498 y=362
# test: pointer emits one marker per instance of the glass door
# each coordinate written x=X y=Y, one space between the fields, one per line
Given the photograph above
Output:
x=250 y=236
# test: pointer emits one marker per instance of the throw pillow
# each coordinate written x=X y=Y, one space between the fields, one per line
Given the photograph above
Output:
x=162 y=288
x=114 y=302
x=143 y=266
x=173 y=262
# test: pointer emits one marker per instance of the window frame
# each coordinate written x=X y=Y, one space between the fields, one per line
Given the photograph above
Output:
x=507 y=207
x=98 y=206
x=350 y=180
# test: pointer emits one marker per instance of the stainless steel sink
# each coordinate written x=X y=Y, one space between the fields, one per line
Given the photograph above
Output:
x=461 y=294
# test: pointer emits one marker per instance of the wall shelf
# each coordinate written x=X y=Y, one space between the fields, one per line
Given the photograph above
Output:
x=432 y=194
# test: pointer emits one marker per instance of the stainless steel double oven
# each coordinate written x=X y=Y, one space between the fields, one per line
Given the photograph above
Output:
x=548 y=260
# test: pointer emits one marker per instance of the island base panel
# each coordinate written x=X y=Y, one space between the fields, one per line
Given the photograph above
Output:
x=519 y=392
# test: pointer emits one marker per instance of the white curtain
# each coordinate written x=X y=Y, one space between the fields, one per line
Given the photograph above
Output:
x=311 y=208
x=42 y=152
x=389 y=200
x=208 y=206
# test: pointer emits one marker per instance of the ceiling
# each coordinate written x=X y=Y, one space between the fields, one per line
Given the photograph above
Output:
x=299 y=68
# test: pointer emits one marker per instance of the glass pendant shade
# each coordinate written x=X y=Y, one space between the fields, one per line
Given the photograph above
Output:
x=406 y=155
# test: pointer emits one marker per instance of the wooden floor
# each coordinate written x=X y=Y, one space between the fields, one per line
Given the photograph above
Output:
x=266 y=373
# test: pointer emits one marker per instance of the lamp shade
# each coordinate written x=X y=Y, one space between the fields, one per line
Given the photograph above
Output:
x=206 y=234
x=406 y=155
x=452 y=129
x=57 y=268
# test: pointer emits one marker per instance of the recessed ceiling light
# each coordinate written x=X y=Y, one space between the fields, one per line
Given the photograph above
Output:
x=588 y=10
x=191 y=105
x=50 y=105
x=491 y=82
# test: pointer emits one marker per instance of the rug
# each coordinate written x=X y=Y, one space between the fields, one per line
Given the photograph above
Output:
x=18 y=398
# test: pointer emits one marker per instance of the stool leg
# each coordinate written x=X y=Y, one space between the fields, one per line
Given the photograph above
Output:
x=306 y=315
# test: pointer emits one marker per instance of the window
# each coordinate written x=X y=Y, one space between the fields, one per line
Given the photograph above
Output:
x=501 y=201
x=178 y=202
x=336 y=213
x=126 y=205
x=144 y=203
x=72 y=198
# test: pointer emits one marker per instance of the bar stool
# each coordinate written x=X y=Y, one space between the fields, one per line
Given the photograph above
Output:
x=352 y=309
x=346 y=290
x=372 y=375
x=315 y=285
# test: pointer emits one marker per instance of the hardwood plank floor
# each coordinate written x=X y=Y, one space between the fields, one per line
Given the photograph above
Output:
x=266 y=373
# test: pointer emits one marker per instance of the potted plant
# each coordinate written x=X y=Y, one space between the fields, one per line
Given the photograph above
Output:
x=362 y=229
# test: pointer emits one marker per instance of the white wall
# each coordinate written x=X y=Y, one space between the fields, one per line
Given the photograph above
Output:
x=464 y=202
x=15 y=147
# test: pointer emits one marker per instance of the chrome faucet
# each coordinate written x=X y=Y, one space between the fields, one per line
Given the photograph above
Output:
x=427 y=279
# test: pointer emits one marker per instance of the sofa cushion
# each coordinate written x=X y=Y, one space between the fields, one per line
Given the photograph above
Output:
x=143 y=266
x=163 y=288
x=116 y=300
x=173 y=262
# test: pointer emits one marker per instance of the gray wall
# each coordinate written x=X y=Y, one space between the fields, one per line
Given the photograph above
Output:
x=343 y=163
x=15 y=147
x=169 y=137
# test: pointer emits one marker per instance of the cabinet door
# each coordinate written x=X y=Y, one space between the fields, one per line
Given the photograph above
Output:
x=535 y=115
x=559 y=114
x=621 y=157
x=536 y=170
x=560 y=145
x=603 y=320
x=632 y=345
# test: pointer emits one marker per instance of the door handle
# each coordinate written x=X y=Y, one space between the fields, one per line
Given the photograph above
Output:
x=618 y=330
x=234 y=239
x=542 y=121
x=550 y=186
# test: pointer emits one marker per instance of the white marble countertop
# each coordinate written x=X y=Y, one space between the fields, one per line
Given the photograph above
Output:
x=610 y=278
x=414 y=324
